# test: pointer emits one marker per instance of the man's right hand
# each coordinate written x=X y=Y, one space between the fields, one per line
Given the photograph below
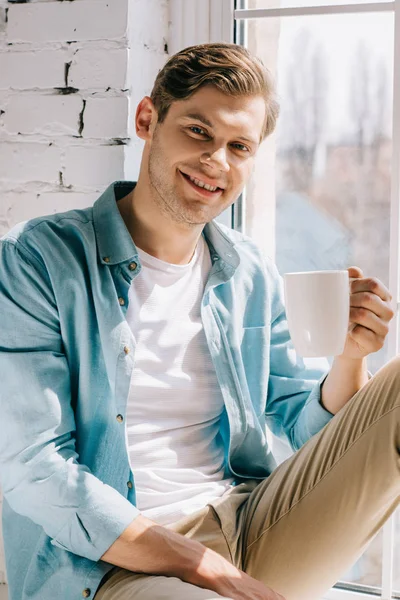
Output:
x=146 y=547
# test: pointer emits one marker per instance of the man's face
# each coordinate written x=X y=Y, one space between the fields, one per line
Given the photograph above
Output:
x=212 y=138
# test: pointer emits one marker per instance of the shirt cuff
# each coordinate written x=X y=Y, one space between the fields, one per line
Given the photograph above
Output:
x=317 y=416
x=91 y=532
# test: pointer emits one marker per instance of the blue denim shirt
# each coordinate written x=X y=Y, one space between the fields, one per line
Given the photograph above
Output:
x=66 y=359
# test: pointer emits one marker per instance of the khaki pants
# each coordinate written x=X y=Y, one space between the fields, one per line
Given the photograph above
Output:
x=300 y=529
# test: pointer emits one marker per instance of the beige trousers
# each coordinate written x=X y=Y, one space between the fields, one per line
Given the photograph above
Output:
x=300 y=529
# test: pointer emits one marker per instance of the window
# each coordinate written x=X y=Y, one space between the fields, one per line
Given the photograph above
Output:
x=322 y=194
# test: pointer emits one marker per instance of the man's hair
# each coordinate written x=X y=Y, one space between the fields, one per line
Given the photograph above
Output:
x=229 y=67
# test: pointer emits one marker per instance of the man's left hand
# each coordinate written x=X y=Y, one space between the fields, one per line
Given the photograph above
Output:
x=370 y=314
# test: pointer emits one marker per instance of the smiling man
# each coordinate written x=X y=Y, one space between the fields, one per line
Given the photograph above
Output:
x=195 y=164
x=145 y=351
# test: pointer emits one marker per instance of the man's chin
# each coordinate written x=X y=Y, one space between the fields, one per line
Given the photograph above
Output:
x=200 y=215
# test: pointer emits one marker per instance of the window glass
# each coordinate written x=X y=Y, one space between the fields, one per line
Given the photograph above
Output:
x=320 y=194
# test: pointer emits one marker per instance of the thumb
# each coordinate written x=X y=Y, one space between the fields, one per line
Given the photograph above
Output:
x=355 y=272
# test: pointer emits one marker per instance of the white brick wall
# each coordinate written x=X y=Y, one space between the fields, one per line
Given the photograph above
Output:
x=106 y=117
x=71 y=76
x=28 y=70
x=86 y=166
x=68 y=21
x=98 y=68
x=47 y=113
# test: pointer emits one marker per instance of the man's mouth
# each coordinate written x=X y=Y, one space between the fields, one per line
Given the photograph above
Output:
x=200 y=186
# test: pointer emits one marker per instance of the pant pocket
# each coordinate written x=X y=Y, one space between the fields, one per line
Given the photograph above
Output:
x=227 y=510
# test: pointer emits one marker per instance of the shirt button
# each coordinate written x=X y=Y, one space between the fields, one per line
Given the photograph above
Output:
x=130 y=485
x=121 y=301
x=106 y=259
x=86 y=593
x=120 y=418
x=132 y=266
x=126 y=350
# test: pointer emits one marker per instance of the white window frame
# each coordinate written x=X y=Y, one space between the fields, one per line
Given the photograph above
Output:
x=202 y=21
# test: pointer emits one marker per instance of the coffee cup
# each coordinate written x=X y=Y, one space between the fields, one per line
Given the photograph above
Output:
x=317 y=309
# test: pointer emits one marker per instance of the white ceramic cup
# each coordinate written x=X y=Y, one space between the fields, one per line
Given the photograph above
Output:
x=317 y=308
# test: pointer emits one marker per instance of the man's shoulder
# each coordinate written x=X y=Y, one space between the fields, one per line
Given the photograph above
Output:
x=67 y=221
x=49 y=238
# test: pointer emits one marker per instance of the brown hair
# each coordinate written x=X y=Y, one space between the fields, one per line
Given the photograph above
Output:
x=229 y=67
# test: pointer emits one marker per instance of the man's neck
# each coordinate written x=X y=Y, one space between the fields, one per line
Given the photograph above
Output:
x=153 y=233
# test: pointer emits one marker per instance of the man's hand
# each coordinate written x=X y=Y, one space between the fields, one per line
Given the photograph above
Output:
x=217 y=574
x=370 y=315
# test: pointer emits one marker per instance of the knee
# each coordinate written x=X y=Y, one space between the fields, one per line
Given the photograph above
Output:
x=391 y=369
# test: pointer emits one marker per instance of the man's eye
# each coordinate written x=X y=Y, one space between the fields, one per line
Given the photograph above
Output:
x=241 y=147
x=197 y=130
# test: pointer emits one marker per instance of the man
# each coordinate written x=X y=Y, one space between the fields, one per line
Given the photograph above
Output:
x=144 y=348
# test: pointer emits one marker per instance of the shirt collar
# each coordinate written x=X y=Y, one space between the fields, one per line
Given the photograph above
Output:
x=115 y=244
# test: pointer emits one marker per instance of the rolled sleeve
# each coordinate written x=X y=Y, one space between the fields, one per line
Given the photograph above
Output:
x=313 y=416
x=40 y=472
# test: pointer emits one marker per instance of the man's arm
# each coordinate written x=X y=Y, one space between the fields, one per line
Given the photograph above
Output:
x=146 y=547
x=302 y=399
x=345 y=378
x=41 y=475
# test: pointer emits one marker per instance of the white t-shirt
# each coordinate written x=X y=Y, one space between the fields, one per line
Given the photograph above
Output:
x=175 y=401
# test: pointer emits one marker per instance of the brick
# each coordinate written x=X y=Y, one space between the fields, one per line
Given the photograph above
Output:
x=93 y=166
x=99 y=68
x=68 y=21
x=26 y=70
x=52 y=114
x=106 y=118
x=24 y=162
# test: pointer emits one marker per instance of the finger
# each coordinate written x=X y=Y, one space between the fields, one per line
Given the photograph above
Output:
x=373 y=303
x=371 y=284
x=366 y=318
x=367 y=339
x=355 y=272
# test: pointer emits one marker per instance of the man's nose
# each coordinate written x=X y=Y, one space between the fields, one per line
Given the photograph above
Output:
x=217 y=159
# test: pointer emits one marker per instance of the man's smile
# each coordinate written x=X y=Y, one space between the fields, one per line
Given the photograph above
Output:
x=201 y=187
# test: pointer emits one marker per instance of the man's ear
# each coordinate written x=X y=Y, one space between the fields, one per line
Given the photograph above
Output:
x=146 y=118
